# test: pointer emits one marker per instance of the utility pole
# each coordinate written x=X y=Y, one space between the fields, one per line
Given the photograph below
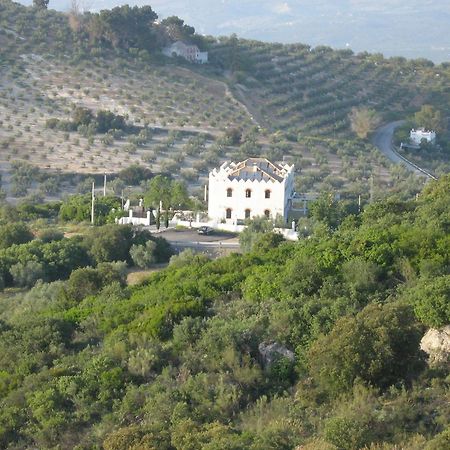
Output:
x=359 y=203
x=371 y=188
x=334 y=124
x=92 y=204
x=104 y=186
x=206 y=193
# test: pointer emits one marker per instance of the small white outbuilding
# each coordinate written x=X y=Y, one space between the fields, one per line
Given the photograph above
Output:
x=417 y=136
x=187 y=51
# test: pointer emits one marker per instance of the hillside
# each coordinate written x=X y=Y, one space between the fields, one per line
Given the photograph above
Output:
x=308 y=345
x=386 y=26
x=304 y=89
x=290 y=101
x=109 y=340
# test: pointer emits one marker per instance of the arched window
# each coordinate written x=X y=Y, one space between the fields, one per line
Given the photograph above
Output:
x=267 y=194
x=248 y=193
x=247 y=214
x=229 y=192
x=267 y=213
x=228 y=213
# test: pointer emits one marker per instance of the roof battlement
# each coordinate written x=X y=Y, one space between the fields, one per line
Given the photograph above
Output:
x=254 y=169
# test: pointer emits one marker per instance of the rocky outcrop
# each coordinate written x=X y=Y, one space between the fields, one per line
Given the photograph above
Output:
x=271 y=352
x=436 y=344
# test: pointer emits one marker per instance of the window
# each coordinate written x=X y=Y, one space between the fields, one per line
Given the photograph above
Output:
x=229 y=192
x=228 y=216
x=267 y=213
x=248 y=193
x=267 y=194
x=247 y=214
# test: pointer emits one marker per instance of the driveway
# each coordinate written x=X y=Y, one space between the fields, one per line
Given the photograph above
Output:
x=191 y=239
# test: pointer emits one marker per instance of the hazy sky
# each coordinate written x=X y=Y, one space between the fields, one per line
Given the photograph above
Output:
x=411 y=28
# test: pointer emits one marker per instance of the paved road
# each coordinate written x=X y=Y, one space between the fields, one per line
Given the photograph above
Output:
x=190 y=238
x=382 y=138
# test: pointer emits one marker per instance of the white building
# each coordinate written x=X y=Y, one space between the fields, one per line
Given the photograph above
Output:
x=417 y=136
x=251 y=188
x=190 y=52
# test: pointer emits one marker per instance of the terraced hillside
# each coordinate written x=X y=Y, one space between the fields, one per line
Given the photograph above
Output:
x=289 y=101
x=312 y=90
x=154 y=97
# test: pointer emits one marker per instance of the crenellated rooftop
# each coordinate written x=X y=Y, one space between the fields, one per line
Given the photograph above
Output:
x=254 y=169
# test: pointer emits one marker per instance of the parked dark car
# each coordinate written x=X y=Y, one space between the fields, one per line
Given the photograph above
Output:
x=205 y=230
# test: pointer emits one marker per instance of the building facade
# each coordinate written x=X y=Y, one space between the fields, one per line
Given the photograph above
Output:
x=251 y=188
x=189 y=52
x=416 y=136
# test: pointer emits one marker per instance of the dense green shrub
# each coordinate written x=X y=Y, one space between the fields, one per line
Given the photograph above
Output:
x=57 y=259
x=26 y=274
x=14 y=233
x=431 y=301
x=143 y=255
x=379 y=346
x=78 y=208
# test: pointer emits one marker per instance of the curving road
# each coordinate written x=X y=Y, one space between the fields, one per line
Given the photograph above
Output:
x=382 y=139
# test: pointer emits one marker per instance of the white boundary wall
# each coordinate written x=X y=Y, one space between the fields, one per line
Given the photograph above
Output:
x=130 y=220
x=289 y=234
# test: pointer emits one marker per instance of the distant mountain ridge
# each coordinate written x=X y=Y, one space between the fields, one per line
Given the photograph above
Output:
x=410 y=28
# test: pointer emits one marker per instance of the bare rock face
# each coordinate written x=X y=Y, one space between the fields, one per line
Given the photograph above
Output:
x=436 y=344
x=273 y=351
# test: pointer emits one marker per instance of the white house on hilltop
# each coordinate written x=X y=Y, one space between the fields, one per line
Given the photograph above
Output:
x=416 y=136
x=189 y=52
x=250 y=188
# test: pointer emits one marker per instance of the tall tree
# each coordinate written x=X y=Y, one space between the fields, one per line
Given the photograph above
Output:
x=75 y=16
x=40 y=4
x=166 y=193
x=125 y=26
x=82 y=116
x=177 y=29
x=327 y=210
x=363 y=121
x=429 y=118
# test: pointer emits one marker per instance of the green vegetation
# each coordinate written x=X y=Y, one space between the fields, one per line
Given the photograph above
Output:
x=177 y=362
x=78 y=208
x=363 y=121
x=50 y=257
x=40 y=4
x=166 y=193
x=430 y=119
x=86 y=122
x=434 y=156
x=14 y=233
